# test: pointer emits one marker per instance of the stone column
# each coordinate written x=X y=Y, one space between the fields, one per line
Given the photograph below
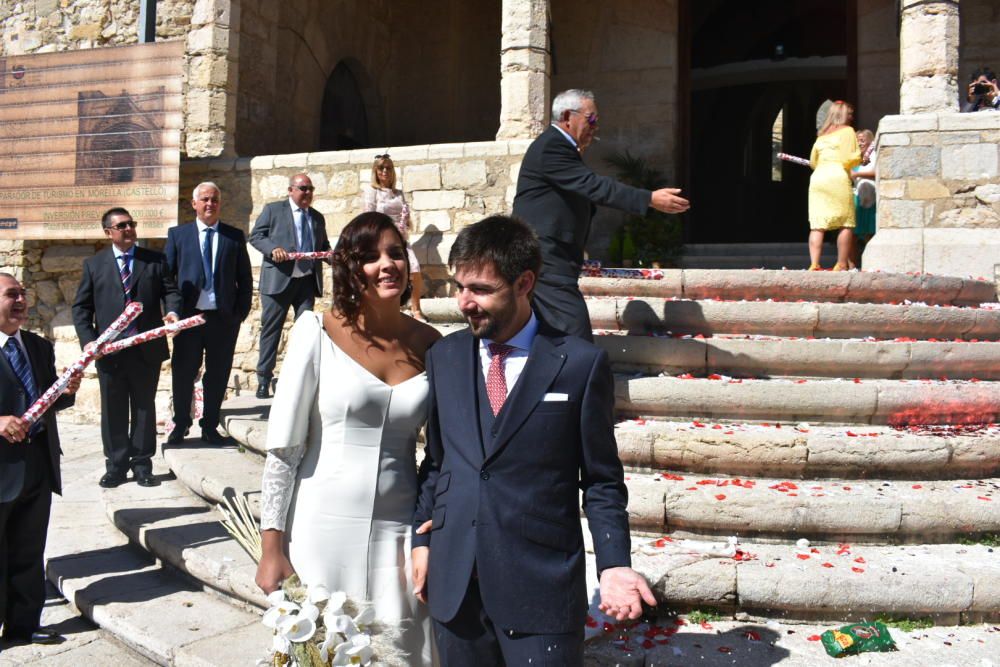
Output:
x=525 y=63
x=210 y=99
x=928 y=56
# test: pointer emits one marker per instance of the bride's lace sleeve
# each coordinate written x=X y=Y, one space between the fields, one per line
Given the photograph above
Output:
x=288 y=429
x=278 y=485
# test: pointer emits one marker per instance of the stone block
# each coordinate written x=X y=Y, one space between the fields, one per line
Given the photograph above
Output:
x=438 y=199
x=966 y=252
x=292 y=160
x=951 y=122
x=421 y=177
x=926 y=188
x=365 y=155
x=969 y=162
x=65 y=258
x=897 y=250
x=343 y=184
x=328 y=157
x=645 y=505
x=923 y=122
x=207 y=38
x=909 y=162
x=444 y=151
x=432 y=221
x=91 y=31
x=973 y=216
x=432 y=248
x=465 y=174
x=891 y=189
x=261 y=163
x=902 y=214
x=988 y=194
x=894 y=139
x=484 y=148
x=48 y=291
x=273 y=187
x=407 y=153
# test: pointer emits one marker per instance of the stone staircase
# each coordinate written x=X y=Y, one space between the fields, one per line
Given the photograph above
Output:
x=857 y=411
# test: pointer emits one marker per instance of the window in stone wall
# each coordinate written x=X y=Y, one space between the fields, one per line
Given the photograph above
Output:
x=344 y=121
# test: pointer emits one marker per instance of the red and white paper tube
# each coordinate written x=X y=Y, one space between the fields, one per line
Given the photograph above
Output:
x=45 y=401
x=326 y=254
x=794 y=159
x=159 y=332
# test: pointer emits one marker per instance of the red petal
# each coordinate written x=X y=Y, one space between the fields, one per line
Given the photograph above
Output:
x=725 y=649
x=752 y=636
x=859 y=570
x=812 y=638
x=827 y=564
x=802 y=556
x=720 y=496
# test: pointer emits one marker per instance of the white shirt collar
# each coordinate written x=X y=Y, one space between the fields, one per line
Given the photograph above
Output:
x=568 y=136
x=202 y=226
x=16 y=336
x=523 y=338
x=118 y=251
x=296 y=207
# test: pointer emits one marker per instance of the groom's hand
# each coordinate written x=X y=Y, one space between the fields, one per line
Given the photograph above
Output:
x=623 y=591
x=419 y=557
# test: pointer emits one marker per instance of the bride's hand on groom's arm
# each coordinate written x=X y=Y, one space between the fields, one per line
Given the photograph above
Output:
x=274 y=566
x=623 y=591
x=419 y=557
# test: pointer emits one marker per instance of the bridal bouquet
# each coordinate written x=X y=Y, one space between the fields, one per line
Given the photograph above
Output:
x=312 y=627
x=316 y=628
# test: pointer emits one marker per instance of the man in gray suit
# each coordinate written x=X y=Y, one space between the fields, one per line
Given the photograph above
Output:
x=286 y=226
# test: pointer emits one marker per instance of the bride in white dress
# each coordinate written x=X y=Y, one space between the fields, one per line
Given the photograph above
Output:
x=340 y=480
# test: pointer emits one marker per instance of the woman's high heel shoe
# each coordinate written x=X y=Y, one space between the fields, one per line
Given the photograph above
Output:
x=815 y=267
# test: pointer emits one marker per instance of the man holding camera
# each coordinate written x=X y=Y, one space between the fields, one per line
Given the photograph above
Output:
x=983 y=92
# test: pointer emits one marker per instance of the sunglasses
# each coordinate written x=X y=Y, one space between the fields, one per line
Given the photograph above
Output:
x=591 y=117
x=304 y=188
x=384 y=156
x=15 y=294
x=122 y=226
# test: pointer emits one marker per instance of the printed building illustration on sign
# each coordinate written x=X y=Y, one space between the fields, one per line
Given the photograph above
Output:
x=119 y=138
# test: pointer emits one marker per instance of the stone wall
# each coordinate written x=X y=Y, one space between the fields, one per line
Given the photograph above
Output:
x=878 y=62
x=939 y=195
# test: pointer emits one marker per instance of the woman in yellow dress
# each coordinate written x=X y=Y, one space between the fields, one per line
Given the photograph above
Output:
x=831 y=199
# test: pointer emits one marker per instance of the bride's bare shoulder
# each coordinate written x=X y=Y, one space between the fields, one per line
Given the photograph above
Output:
x=421 y=336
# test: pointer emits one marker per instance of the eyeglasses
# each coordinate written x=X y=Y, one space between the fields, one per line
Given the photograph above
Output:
x=592 y=118
x=122 y=226
x=15 y=294
x=304 y=188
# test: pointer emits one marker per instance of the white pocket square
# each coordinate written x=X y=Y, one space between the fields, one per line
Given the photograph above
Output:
x=555 y=397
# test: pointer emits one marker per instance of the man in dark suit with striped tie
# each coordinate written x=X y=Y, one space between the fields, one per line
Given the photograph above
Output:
x=29 y=467
x=113 y=278
x=209 y=260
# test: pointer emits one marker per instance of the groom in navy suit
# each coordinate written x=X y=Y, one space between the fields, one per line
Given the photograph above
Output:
x=520 y=421
x=212 y=268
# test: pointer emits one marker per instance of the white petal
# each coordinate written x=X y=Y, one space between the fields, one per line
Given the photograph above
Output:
x=336 y=601
x=297 y=629
x=271 y=617
x=365 y=617
x=276 y=598
x=309 y=611
x=319 y=594
x=344 y=625
x=280 y=645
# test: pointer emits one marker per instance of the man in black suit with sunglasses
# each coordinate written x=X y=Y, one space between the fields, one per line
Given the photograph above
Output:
x=283 y=226
x=556 y=194
x=112 y=278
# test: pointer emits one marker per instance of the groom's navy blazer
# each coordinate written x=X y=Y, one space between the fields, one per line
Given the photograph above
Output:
x=506 y=499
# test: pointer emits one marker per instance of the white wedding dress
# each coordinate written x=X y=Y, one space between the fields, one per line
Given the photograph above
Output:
x=341 y=478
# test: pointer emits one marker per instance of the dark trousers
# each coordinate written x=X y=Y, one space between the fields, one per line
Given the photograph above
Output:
x=471 y=639
x=558 y=302
x=300 y=295
x=128 y=411
x=215 y=341
x=24 y=523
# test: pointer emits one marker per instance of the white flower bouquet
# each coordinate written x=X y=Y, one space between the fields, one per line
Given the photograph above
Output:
x=315 y=628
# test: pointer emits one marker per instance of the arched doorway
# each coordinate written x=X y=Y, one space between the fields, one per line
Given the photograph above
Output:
x=343 y=119
x=750 y=61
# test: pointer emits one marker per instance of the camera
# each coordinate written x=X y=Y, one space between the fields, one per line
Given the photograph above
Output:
x=980 y=89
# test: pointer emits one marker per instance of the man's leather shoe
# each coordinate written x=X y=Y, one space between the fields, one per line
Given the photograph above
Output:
x=176 y=436
x=262 y=389
x=110 y=480
x=39 y=636
x=213 y=437
x=145 y=478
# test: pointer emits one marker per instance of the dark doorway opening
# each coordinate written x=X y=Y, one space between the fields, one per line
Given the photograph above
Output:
x=343 y=120
x=750 y=62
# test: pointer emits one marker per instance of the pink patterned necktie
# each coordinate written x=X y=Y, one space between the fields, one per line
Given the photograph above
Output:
x=496 y=381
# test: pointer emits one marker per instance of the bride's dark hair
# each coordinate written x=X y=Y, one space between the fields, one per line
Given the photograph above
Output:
x=360 y=238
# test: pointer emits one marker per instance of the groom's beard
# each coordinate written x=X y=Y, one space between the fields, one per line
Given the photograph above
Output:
x=486 y=327
x=490 y=323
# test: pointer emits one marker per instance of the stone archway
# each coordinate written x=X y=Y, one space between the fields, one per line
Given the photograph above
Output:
x=344 y=116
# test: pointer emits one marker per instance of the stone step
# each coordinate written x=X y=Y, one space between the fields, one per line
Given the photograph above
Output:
x=871 y=511
x=146 y=605
x=752 y=448
x=809 y=451
x=840 y=401
x=774 y=356
x=184 y=531
x=646 y=315
x=874 y=511
x=951 y=583
x=815 y=286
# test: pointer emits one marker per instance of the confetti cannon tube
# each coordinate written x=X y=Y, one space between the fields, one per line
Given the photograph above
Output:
x=152 y=334
x=794 y=159
x=46 y=400
x=327 y=254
